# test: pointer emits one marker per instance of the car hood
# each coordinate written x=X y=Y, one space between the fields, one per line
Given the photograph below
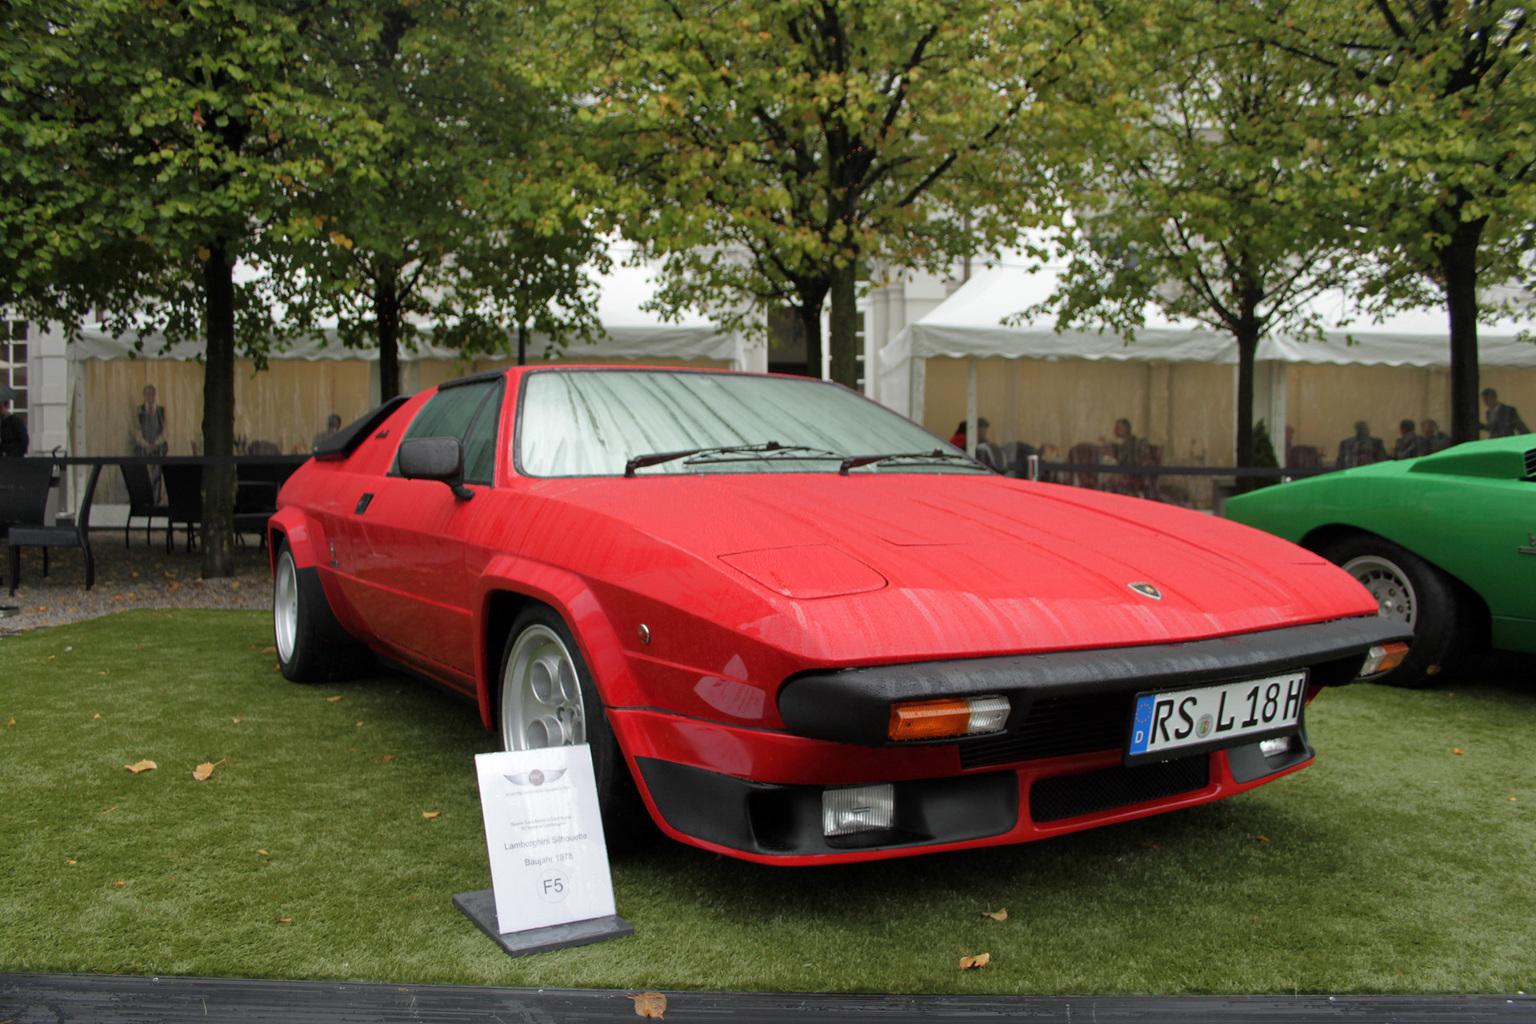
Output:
x=878 y=567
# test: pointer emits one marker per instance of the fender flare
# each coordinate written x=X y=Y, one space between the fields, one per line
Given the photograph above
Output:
x=573 y=600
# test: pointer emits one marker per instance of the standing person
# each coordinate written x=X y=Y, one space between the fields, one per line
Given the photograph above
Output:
x=332 y=425
x=1361 y=449
x=13 y=432
x=1409 y=444
x=985 y=454
x=149 y=435
x=1503 y=420
x=1435 y=439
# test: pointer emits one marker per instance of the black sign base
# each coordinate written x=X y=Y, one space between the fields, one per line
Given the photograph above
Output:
x=480 y=907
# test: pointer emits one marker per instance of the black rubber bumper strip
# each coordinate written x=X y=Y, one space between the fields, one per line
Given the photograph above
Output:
x=854 y=705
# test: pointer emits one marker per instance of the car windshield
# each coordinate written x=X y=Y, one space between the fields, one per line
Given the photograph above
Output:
x=646 y=422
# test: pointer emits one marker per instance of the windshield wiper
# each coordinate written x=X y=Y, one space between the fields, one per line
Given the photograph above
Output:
x=724 y=453
x=919 y=458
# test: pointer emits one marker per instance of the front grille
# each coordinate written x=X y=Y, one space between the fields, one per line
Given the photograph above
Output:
x=1056 y=726
x=1067 y=796
x=1530 y=462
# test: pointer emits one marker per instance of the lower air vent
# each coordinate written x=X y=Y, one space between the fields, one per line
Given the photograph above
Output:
x=1530 y=462
x=1067 y=796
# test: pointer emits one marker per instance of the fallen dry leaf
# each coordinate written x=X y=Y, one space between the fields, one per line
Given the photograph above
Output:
x=430 y=814
x=264 y=853
x=119 y=883
x=1263 y=839
x=359 y=723
x=996 y=915
x=69 y=862
x=282 y=920
x=237 y=721
x=650 y=1004
x=1457 y=750
x=95 y=716
x=202 y=771
x=391 y=757
x=109 y=810
x=269 y=650
x=10 y=723
x=974 y=963
x=141 y=766
x=333 y=700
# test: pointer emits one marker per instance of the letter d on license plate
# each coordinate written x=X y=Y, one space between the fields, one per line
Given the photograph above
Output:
x=1176 y=722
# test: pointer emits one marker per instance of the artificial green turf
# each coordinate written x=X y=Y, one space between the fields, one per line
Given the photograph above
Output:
x=1392 y=865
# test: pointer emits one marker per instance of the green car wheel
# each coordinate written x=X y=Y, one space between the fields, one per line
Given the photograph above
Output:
x=1413 y=592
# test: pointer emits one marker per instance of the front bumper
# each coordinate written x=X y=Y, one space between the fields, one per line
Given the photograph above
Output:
x=781 y=823
x=854 y=705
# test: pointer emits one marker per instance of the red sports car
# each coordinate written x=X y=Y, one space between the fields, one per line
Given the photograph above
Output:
x=794 y=627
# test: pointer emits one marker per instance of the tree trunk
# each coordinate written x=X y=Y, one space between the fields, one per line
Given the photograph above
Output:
x=219 y=412
x=1458 y=267
x=845 y=326
x=810 y=320
x=386 y=310
x=1247 y=346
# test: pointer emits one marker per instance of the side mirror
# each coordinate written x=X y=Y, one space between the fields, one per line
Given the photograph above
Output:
x=435 y=458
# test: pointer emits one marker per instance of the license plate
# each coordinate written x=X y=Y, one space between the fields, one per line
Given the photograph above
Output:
x=1213 y=717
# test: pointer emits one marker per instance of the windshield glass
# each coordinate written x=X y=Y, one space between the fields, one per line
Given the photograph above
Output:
x=598 y=422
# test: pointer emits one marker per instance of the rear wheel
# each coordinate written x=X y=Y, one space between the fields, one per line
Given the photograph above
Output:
x=302 y=654
x=548 y=699
x=1409 y=590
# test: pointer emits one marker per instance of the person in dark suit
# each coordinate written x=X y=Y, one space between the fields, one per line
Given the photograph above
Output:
x=1361 y=449
x=1435 y=439
x=1503 y=420
x=1409 y=444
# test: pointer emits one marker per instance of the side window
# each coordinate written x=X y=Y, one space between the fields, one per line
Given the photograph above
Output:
x=480 y=442
x=471 y=413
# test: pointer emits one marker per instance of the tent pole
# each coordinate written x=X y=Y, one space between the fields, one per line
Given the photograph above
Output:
x=970 y=407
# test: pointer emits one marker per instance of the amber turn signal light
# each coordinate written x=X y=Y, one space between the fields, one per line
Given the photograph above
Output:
x=951 y=717
x=1383 y=658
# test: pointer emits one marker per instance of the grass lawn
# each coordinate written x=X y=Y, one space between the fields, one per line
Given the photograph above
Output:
x=1400 y=862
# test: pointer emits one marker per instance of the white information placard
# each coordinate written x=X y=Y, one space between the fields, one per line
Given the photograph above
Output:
x=549 y=862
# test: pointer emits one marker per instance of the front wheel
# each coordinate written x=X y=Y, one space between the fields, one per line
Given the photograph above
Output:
x=548 y=699
x=1408 y=590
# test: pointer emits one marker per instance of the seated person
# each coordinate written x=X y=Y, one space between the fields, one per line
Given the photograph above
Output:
x=1361 y=449
x=1409 y=444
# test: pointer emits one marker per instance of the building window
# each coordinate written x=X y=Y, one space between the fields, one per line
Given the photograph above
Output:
x=13 y=363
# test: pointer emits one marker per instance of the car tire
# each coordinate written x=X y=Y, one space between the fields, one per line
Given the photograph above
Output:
x=1414 y=592
x=302 y=653
x=547 y=699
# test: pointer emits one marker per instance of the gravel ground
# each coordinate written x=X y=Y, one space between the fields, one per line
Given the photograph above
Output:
x=137 y=576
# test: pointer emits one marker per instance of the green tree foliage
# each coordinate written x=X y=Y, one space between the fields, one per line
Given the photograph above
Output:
x=156 y=145
x=464 y=223
x=1213 y=204
x=1441 y=95
x=771 y=149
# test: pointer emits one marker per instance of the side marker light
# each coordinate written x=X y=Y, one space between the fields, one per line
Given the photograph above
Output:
x=1383 y=658
x=952 y=717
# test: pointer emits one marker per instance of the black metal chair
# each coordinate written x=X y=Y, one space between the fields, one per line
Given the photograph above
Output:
x=184 y=498
x=23 y=505
x=141 y=500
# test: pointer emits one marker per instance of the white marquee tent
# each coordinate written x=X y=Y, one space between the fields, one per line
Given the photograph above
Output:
x=1176 y=381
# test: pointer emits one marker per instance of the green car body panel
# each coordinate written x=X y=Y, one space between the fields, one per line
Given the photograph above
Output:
x=1469 y=510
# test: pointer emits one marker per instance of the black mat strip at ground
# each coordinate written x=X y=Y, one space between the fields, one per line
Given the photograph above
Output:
x=110 y=999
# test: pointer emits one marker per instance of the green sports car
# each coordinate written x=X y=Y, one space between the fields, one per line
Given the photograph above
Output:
x=1446 y=543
